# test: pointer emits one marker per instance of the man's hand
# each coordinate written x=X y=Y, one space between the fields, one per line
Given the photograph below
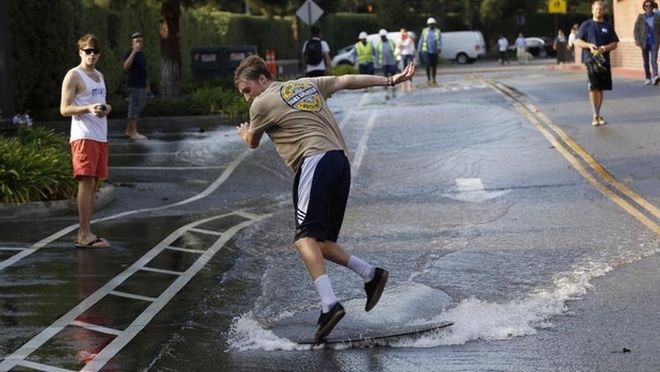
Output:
x=101 y=110
x=241 y=129
x=404 y=75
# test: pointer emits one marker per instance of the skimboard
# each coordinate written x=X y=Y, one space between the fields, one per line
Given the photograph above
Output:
x=398 y=314
x=367 y=335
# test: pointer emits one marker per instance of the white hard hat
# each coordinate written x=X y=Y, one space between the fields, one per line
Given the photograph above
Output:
x=363 y=35
x=382 y=32
x=430 y=21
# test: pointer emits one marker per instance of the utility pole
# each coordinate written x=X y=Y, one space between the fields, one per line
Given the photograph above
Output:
x=6 y=96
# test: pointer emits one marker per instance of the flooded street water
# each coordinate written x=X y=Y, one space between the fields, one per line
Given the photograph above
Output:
x=479 y=219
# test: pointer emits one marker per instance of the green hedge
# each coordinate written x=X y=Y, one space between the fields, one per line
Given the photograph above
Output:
x=44 y=34
x=35 y=165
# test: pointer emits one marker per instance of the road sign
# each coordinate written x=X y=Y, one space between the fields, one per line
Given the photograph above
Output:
x=309 y=12
x=557 y=6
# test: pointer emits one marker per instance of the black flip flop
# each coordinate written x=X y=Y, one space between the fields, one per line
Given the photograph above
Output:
x=91 y=244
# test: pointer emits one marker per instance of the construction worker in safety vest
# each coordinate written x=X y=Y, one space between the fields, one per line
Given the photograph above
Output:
x=386 y=55
x=364 y=52
x=430 y=46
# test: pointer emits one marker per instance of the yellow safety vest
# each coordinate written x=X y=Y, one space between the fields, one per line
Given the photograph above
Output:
x=365 y=53
x=425 y=33
x=380 y=51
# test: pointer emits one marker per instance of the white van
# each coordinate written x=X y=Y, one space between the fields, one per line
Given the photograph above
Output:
x=345 y=55
x=462 y=46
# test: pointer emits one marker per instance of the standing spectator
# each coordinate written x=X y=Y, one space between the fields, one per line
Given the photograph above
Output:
x=83 y=99
x=406 y=51
x=386 y=58
x=316 y=53
x=571 y=42
x=364 y=52
x=502 y=46
x=430 y=47
x=521 y=49
x=597 y=38
x=135 y=63
x=559 y=45
x=647 y=38
x=298 y=120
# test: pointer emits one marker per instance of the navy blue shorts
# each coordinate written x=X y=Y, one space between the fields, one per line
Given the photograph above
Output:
x=320 y=192
x=600 y=81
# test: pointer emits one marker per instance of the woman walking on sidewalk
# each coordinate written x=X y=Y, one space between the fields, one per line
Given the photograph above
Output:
x=647 y=38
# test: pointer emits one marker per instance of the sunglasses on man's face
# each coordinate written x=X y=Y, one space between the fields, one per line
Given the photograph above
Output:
x=89 y=51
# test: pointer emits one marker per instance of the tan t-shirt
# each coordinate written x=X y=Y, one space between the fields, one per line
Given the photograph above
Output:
x=295 y=116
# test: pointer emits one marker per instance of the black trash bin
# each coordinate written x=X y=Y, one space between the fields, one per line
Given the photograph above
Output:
x=218 y=62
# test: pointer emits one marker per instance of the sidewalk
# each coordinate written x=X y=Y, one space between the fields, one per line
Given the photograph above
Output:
x=616 y=71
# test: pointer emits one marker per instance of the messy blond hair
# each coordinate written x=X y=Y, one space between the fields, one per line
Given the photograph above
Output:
x=251 y=68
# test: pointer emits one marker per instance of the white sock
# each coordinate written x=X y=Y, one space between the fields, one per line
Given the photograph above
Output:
x=363 y=269
x=324 y=287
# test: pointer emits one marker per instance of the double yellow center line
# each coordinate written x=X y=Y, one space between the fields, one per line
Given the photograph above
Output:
x=638 y=207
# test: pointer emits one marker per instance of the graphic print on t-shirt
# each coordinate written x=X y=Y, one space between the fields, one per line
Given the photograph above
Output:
x=301 y=95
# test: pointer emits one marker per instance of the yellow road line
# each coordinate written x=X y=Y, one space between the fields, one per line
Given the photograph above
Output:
x=538 y=119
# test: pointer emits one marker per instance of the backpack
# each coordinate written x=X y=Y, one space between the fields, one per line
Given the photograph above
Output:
x=313 y=52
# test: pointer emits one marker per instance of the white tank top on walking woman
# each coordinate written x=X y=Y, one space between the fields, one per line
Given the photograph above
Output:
x=89 y=126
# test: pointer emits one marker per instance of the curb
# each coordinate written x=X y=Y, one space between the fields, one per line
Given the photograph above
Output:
x=53 y=208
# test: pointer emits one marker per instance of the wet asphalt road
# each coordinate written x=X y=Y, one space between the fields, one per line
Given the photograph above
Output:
x=455 y=190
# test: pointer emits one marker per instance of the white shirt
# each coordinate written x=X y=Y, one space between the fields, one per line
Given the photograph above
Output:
x=324 y=49
x=406 y=47
x=502 y=44
x=89 y=126
x=571 y=39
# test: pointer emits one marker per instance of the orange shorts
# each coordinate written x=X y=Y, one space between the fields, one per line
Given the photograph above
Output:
x=90 y=158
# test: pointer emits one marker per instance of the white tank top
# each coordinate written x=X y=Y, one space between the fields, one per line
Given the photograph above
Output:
x=88 y=126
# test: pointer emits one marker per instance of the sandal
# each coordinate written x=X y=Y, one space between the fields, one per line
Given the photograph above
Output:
x=96 y=243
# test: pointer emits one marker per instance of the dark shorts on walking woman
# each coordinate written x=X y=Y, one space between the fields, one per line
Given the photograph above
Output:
x=306 y=135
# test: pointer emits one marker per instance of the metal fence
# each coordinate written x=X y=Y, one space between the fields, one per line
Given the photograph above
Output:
x=288 y=69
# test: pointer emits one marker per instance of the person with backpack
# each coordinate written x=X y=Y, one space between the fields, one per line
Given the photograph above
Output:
x=316 y=54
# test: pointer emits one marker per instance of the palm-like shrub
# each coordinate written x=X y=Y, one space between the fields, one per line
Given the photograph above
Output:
x=35 y=165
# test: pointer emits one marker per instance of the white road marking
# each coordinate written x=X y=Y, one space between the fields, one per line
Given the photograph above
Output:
x=362 y=146
x=142 y=320
x=49 y=239
x=96 y=328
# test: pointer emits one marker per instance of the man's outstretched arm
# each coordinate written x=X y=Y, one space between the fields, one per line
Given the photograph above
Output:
x=366 y=81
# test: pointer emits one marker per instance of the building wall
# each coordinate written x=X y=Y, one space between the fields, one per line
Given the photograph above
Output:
x=627 y=55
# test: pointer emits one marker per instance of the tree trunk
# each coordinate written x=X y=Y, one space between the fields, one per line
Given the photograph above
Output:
x=170 y=49
x=6 y=94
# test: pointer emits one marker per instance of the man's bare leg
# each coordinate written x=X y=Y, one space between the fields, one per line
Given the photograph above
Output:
x=596 y=98
x=132 y=130
x=86 y=188
x=311 y=254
